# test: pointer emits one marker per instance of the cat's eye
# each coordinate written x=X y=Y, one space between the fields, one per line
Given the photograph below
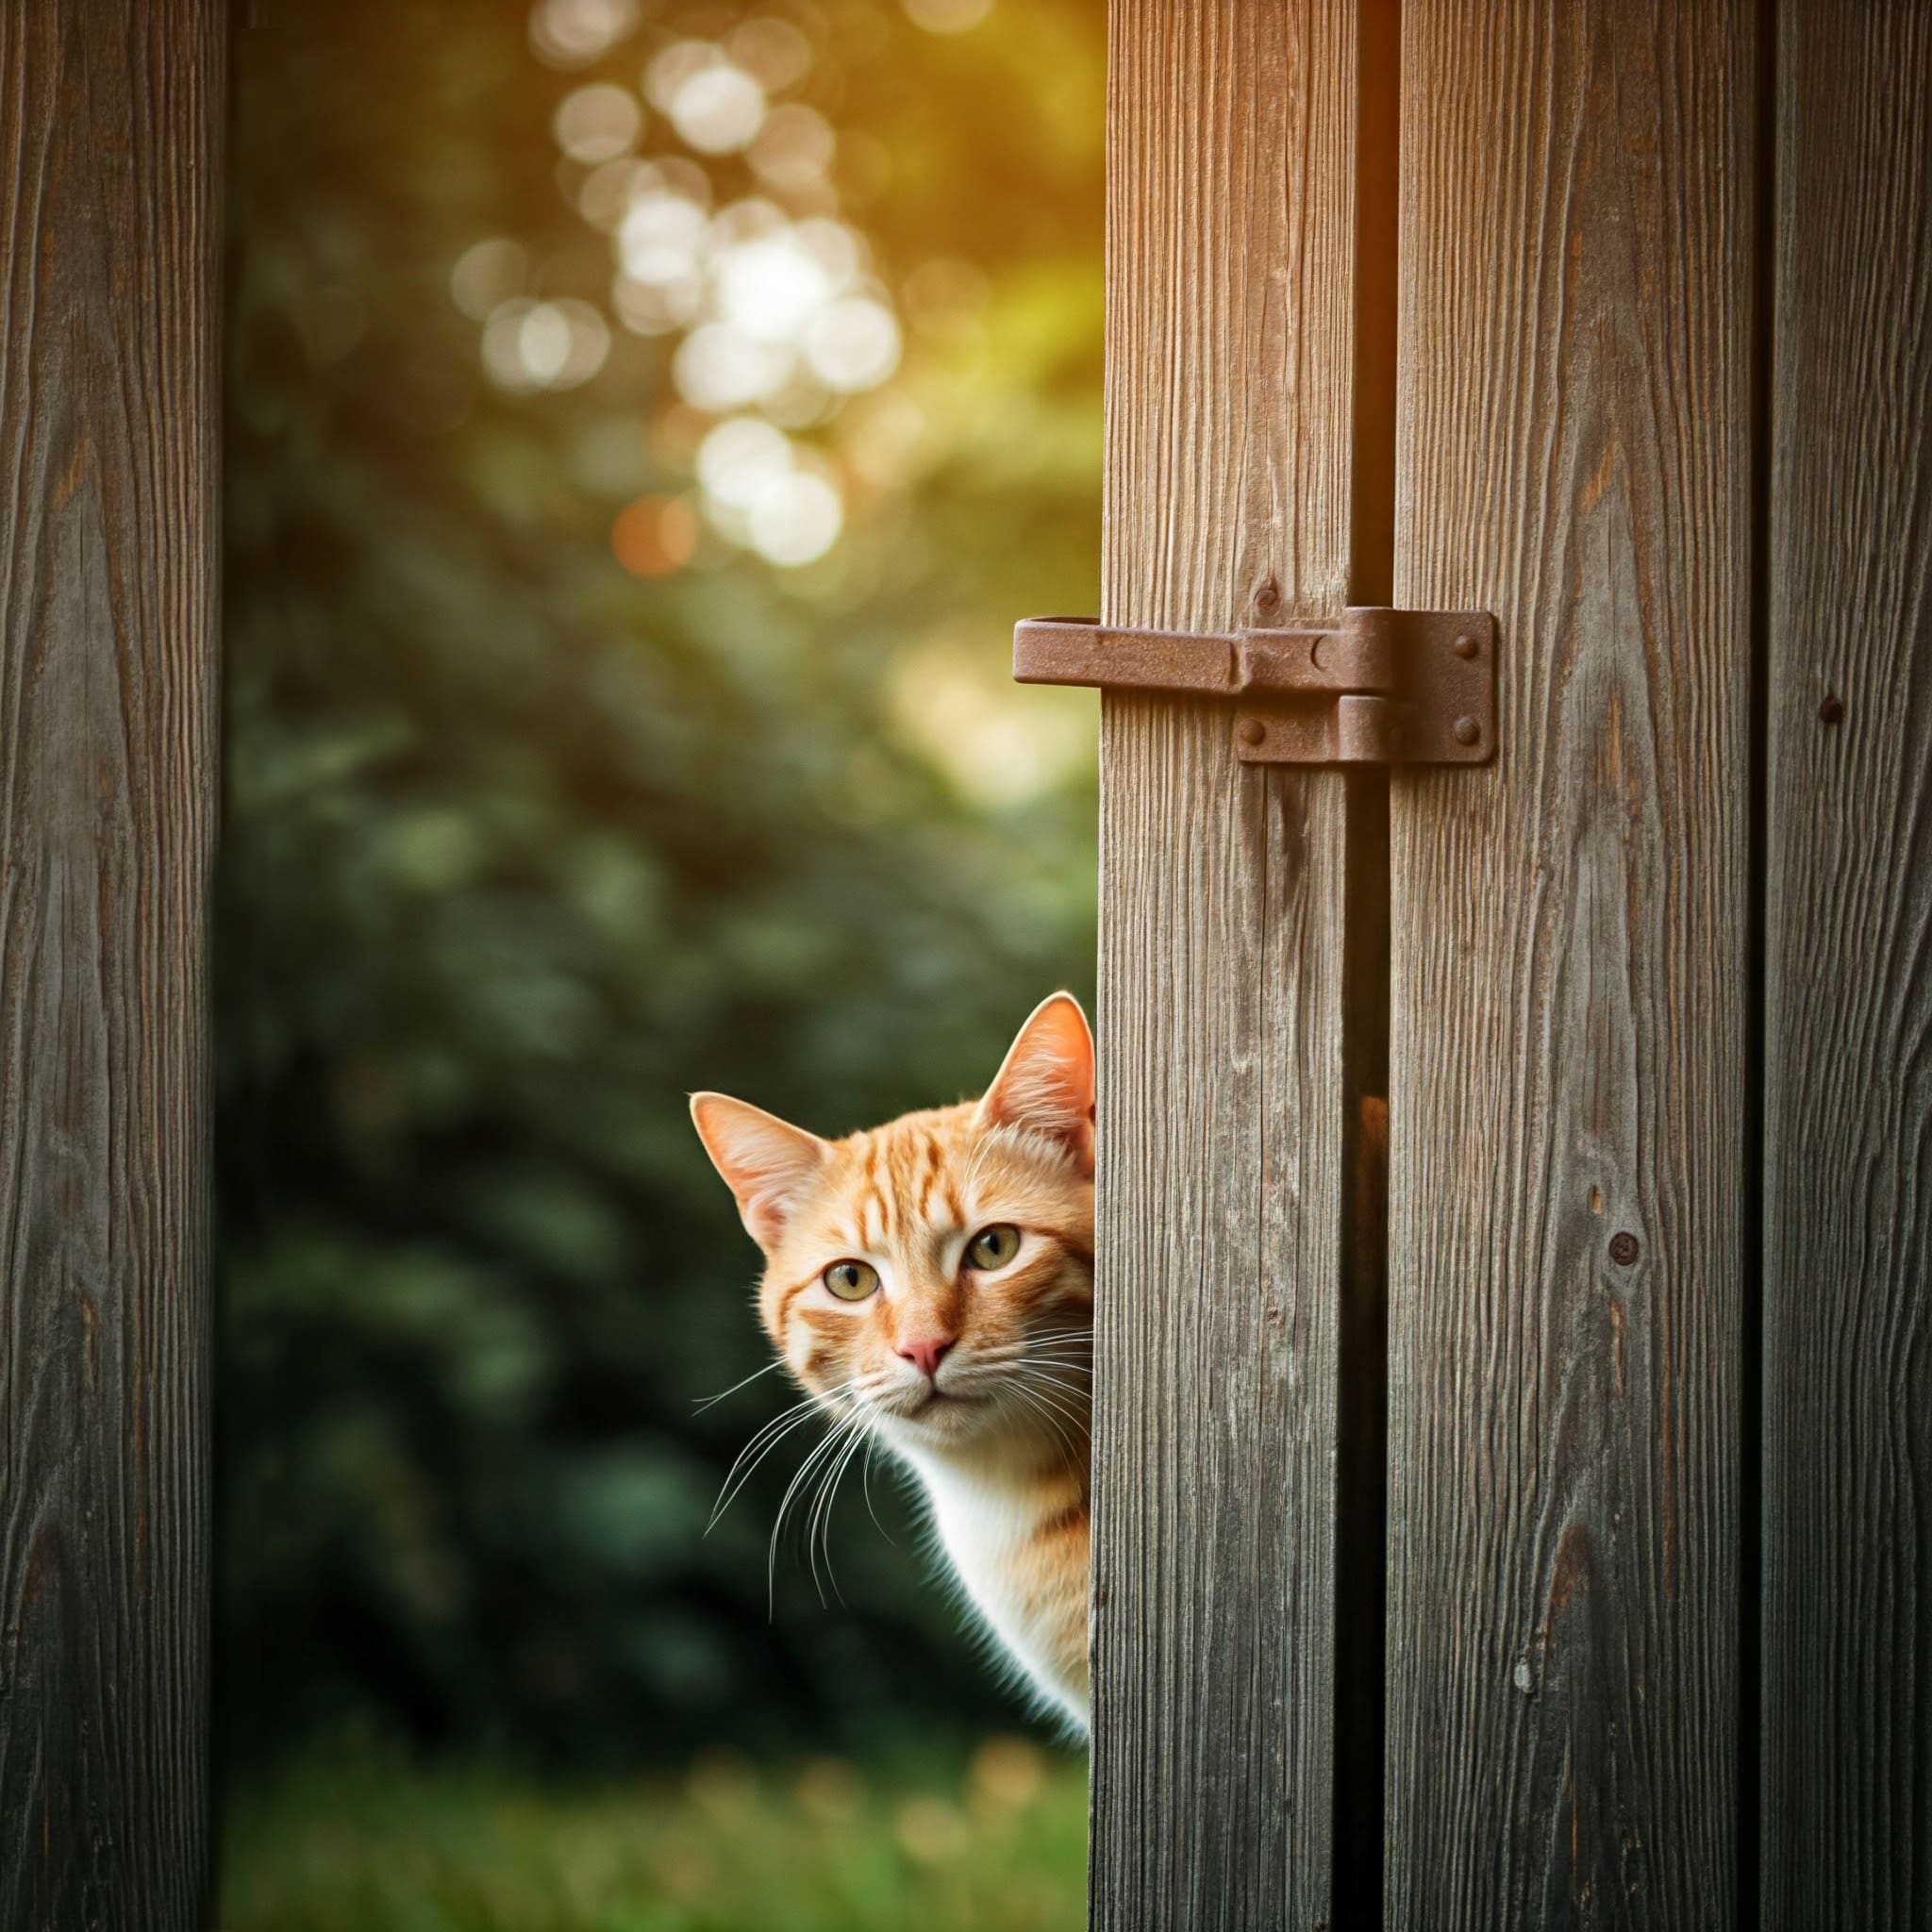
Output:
x=992 y=1247
x=851 y=1281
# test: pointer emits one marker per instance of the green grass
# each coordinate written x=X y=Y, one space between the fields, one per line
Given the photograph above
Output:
x=996 y=1844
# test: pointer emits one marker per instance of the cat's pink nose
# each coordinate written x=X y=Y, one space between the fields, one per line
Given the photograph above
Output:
x=925 y=1354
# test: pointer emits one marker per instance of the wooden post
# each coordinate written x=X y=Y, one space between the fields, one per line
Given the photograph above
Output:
x=110 y=244
x=1847 y=1698
x=1569 y=970
x=1230 y=326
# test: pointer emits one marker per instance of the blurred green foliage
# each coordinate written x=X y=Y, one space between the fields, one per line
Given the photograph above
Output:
x=519 y=849
x=817 y=1847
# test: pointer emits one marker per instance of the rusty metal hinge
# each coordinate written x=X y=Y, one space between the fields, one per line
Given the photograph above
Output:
x=1378 y=688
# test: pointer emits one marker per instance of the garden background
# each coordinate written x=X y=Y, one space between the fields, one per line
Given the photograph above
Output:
x=645 y=422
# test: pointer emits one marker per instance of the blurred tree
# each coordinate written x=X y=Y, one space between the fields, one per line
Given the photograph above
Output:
x=549 y=800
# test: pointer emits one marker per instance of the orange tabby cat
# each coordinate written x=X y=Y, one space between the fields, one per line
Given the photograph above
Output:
x=932 y=1281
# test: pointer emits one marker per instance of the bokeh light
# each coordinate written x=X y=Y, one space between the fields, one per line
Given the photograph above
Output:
x=573 y=33
x=796 y=520
x=947 y=16
x=654 y=536
x=530 y=346
x=598 y=123
x=714 y=103
x=777 y=318
x=661 y=238
x=851 y=345
x=793 y=149
x=487 y=274
x=775 y=52
x=739 y=457
x=719 y=367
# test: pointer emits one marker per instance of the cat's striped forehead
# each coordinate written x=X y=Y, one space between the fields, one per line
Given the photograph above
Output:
x=912 y=1173
x=929 y=1176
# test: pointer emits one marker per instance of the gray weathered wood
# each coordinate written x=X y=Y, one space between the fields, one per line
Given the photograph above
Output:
x=1227 y=502
x=1847 y=1634
x=109 y=292
x=1570 y=969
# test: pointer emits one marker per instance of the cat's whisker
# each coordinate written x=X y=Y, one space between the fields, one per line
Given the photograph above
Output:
x=701 y=1403
x=822 y=1509
x=818 y=1522
x=763 y=1443
x=1027 y=1400
x=820 y=1454
x=865 y=1485
x=1082 y=1392
x=819 y=1451
x=1058 y=1402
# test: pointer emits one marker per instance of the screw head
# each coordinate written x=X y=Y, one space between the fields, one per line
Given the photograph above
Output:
x=1464 y=645
x=1831 y=711
x=1467 y=730
x=1253 y=731
x=1623 y=1248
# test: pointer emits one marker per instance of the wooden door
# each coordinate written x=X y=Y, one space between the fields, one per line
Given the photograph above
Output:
x=1571 y=970
x=1654 y=988
x=111 y=247
x=1845 y=1699
x=1229 y=487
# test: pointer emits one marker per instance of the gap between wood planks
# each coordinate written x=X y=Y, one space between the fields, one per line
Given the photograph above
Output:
x=1362 y=1368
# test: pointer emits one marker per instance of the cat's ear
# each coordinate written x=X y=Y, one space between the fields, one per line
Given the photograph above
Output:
x=767 y=1163
x=1046 y=1084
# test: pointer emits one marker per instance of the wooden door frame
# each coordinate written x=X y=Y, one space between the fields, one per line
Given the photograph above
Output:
x=111 y=197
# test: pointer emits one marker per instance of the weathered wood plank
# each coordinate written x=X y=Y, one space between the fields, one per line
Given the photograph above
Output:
x=1227 y=501
x=109 y=293
x=1847 y=1635
x=1570 y=969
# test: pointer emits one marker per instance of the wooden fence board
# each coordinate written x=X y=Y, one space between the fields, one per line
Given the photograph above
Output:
x=109 y=292
x=1847 y=1638
x=1229 y=324
x=1570 y=969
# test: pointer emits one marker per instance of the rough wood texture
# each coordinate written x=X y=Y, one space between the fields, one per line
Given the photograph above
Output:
x=1229 y=338
x=1847 y=1640
x=109 y=291
x=1570 y=969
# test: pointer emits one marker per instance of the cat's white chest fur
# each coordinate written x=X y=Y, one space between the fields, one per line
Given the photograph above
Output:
x=987 y=1527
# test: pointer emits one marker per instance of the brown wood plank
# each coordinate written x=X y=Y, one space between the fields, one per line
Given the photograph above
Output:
x=1230 y=248
x=109 y=292
x=1847 y=1638
x=1570 y=969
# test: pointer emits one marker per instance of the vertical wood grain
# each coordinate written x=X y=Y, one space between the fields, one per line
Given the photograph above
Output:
x=109 y=285
x=1570 y=969
x=1229 y=332
x=1847 y=1635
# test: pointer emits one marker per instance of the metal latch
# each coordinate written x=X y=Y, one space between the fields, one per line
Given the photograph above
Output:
x=1379 y=687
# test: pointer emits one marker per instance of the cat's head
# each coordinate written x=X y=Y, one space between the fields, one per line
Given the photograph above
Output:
x=937 y=1270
